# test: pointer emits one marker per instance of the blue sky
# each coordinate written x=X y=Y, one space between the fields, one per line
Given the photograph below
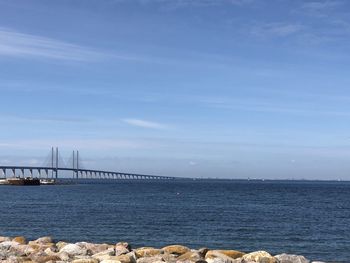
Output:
x=224 y=88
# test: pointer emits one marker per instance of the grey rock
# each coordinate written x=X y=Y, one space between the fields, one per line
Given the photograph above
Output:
x=288 y=258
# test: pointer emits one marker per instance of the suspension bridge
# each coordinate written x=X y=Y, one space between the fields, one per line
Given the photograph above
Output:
x=54 y=170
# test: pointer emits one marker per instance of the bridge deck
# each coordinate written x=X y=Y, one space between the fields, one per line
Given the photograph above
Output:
x=84 y=173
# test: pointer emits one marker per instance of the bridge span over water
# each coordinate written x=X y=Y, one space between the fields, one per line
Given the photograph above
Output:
x=53 y=173
x=74 y=172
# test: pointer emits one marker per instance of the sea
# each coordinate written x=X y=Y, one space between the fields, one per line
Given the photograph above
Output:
x=310 y=218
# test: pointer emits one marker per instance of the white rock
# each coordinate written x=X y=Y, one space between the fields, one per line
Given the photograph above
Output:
x=8 y=244
x=74 y=250
x=288 y=258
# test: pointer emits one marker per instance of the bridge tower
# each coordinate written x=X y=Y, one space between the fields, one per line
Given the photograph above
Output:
x=54 y=162
x=75 y=164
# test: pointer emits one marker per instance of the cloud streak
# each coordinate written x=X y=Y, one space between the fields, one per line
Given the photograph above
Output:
x=16 y=44
x=276 y=29
x=144 y=124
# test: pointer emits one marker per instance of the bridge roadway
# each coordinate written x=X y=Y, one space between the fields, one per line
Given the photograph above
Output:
x=52 y=172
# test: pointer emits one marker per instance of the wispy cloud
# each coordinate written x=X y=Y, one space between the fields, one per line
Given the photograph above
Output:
x=259 y=105
x=13 y=43
x=42 y=119
x=144 y=124
x=276 y=29
x=321 y=7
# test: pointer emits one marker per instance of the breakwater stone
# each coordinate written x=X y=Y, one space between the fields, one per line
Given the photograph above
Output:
x=44 y=249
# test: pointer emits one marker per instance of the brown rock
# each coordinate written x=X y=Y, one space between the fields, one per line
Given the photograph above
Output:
x=43 y=257
x=230 y=253
x=147 y=252
x=155 y=259
x=189 y=257
x=124 y=259
x=20 y=240
x=176 y=249
x=44 y=240
x=41 y=246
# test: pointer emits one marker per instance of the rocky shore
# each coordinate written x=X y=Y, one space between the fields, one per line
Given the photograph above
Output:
x=19 y=250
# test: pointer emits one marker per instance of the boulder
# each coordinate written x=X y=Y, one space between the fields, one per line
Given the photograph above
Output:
x=124 y=244
x=43 y=240
x=213 y=256
x=287 y=258
x=110 y=261
x=154 y=259
x=42 y=257
x=230 y=253
x=260 y=257
x=103 y=255
x=87 y=260
x=21 y=250
x=16 y=259
x=169 y=258
x=189 y=257
x=96 y=248
x=2 y=239
x=121 y=250
x=21 y=240
x=61 y=244
x=63 y=256
x=74 y=250
x=203 y=251
x=122 y=259
x=8 y=244
x=176 y=249
x=147 y=252
x=40 y=246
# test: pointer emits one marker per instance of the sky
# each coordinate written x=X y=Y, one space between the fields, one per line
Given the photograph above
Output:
x=191 y=88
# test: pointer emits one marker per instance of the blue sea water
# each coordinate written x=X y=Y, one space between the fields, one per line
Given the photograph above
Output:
x=299 y=217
